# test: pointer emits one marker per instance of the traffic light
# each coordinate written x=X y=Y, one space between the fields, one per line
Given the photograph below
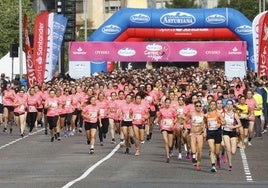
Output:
x=68 y=8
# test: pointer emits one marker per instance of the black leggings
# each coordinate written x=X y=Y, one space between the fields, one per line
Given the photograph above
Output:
x=104 y=128
x=52 y=121
x=31 y=118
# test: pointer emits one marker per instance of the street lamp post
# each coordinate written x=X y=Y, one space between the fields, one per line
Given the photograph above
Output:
x=20 y=38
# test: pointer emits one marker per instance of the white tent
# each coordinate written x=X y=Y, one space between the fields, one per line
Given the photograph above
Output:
x=6 y=65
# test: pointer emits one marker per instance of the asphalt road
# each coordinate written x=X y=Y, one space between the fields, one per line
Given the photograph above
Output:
x=35 y=162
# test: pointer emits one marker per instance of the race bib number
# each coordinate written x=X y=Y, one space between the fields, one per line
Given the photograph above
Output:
x=167 y=123
x=32 y=109
x=127 y=117
x=137 y=117
x=212 y=124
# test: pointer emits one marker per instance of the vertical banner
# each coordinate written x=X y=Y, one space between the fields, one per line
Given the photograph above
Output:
x=263 y=45
x=49 y=41
x=29 y=55
x=255 y=36
x=40 y=45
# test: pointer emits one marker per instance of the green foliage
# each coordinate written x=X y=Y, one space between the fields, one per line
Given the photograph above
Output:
x=9 y=22
x=182 y=4
x=249 y=8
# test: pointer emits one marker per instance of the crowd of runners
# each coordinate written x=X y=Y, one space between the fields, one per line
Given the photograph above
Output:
x=189 y=106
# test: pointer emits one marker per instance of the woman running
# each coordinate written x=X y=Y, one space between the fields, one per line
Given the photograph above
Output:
x=20 y=104
x=91 y=116
x=232 y=122
x=140 y=117
x=167 y=117
x=113 y=114
x=8 y=100
x=103 y=127
x=32 y=102
x=197 y=133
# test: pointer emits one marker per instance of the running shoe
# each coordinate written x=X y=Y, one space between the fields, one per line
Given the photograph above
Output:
x=80 y=129
x=185 y=147
x=88 y=142
x=5 y=130
x=101 y=143
x=91 y=151
x=142 y=141
x=122 y=143
x=148 y=137
x=230 y=168
x=59 y=138
x=188 y=156
x=213 y=169
x=10 y=130
x=113 y=141
x=167 y=160
x=52 y=139
x=194 y=161
x=223 y=158
x=171 y=154
x=180 y=156
x=104 y=136
x=264 y=131
x=245 y=140
x=249 y=144
x=198 y=167
x=22 y=135
x=127 y=151
x=137 y=153
x=45 y=131
x=218 y=164
x=71 y=133
x=56 y=136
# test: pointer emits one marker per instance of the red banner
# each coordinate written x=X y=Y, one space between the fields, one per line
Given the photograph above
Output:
x=40 y=45
x=29 y=55
x=263 y=46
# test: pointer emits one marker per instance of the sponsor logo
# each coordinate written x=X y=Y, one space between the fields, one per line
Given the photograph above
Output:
x=215 y=19
x=234 y=51
x=140 y=18
x=177 y=19
x=263 y=58
x=79 y=51
x=79 y=66
x=154 y=47
x=244 y=30
x=213 y=52
x=188 y=52
x=111 y=29
x=236 y=66
x=126 y=52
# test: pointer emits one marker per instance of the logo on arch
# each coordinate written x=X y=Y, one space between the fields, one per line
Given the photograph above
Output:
x=177 y=19
x=244 y=30
x=187 y=52
x=140 y=18
x=111 y=29
x=215 y=19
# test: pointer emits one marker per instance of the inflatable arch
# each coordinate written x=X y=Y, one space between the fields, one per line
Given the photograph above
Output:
x=214 y=19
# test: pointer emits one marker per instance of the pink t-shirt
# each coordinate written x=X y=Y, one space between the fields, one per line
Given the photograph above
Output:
x=67 y=101
x=90 y=113
x=140 y=112
x=126 y=110
x=8 y=97
x=20 y=103
x=188 y=110
x=167 y=118
x=103 y=108
x=113 y=110
x=76 y=101
x=33 y=101
x=53 y=106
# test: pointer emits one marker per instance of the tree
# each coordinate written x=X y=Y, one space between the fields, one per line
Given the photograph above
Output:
x=182 y=4
x=9 y=22
x=250 y=8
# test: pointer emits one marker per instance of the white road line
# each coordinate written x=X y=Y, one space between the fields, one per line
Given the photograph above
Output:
x=245 y=166
x=89 y=170
x=14 y=141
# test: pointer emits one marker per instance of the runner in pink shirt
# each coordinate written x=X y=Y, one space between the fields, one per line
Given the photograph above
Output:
x=252 y=105
x=167 y=118
x=120 y=101
x=33 y=101
x=113 y=114
x=126 y=110
x=91 y=115
x=8 y=100
x=67 y=110
x=103 y=126
x=52 y=104
x=20 y=106
x=140 y=117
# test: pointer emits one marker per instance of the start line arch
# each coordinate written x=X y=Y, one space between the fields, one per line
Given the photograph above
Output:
x=216 y=20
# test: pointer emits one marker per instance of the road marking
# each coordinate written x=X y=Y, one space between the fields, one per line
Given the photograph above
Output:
x=14 y=141
x=245 y=165
x=89 y=170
